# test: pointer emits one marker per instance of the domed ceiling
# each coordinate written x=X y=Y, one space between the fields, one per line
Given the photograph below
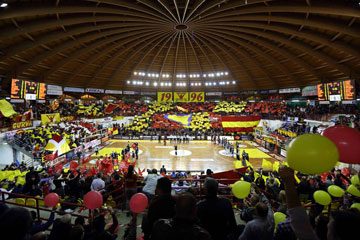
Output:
x=180 y=44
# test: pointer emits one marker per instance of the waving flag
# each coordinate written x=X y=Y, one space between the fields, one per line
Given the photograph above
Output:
x=183 y=119
x=6 y=109
x=240 y=123
x=110 y=108
x=58 y=144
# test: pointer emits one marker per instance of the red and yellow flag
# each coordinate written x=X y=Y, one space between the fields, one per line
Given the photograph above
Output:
x=240 y=123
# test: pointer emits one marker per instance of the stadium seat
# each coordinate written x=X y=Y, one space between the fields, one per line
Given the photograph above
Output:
x=31 y=202
x=20 y=201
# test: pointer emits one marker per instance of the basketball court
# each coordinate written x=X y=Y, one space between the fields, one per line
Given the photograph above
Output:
x=196 y=155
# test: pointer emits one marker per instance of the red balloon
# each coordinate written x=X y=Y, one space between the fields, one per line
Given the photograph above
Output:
x=347 y=141
x=93 y=200
x=138 y=202
x=51 y=200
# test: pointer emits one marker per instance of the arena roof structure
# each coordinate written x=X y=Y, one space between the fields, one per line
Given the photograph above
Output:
x=110 y=44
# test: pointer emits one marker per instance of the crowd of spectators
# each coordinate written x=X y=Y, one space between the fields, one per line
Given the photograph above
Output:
x=188 y=215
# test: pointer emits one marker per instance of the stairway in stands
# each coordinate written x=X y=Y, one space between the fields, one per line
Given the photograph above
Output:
x=31 y=161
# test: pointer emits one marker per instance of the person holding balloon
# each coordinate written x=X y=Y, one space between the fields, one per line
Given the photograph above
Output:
x=343 y=224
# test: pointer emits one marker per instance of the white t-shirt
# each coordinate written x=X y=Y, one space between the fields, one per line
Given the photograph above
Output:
x=151 y=181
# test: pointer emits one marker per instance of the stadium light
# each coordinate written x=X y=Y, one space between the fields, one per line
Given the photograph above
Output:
x=4 y=5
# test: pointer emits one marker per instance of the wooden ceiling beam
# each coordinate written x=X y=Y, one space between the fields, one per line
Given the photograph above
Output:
x=321 y=7
x=69 y=44
x=131 y=55
x=105 y=52
x=167 y=53
x=285 y=53
x=314 y=21
x=43 y=9
x=139 y=46
x=95 y=45
x=34 y=26
x=312 y=36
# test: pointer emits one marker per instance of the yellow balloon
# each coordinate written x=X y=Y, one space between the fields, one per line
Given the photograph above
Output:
x=312 y=154
x=355 y=180
x=356 y=205
x=336 y=191
x=353 y=191
x=279 y=217
x=322 y=197
x=241 y=189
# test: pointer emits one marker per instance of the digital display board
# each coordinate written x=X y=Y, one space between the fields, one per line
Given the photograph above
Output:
x=28 y=90
x=336 y=91
x=16 y=87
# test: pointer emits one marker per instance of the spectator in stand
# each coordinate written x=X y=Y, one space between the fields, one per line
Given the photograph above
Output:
x=42 y=227
x=162 y=206
x=216 y=214
x=98 y=184
x=343 y=224
x=15 y=224
x=304 y=190
x=150 y=185
x=183 y=225
x=262 y=226
x=130 y=185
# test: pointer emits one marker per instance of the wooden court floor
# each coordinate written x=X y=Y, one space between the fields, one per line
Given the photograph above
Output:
x=196 y=155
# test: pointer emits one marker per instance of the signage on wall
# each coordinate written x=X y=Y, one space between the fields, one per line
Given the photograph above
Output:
x=94 y=90
x=73 y=89
x=113 y=92
x=290 y=90
x=218 y=94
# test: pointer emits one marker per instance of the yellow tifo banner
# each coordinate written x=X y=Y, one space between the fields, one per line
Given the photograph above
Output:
x=6 y=109
x=181 y=96
x=183 y=119
x=50 y=118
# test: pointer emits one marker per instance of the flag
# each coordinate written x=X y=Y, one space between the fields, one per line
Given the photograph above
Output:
x=58 y=144
x=54 y=105
x=239 y=123
x=183 y=119
x=276 y=166
x=110 y=108
x=50 y=118
x=181 y=109
x=6 y=108
x=266 y=163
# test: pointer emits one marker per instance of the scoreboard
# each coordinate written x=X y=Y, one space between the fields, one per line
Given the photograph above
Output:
x=336 y=91
x=27 y=90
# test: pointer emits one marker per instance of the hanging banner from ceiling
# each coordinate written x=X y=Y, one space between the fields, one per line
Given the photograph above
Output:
x=164 y=96
x=197 y=97
x=181 y=96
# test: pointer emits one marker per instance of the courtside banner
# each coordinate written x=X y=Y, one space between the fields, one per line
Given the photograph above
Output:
x=239 y=123
x=50 y=118
x=181 y=96
x=165 y=96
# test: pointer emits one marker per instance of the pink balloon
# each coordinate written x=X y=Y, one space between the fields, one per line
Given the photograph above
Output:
x=138 y=202
x=347 y=141
x=51 y=200
x=93 y=200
